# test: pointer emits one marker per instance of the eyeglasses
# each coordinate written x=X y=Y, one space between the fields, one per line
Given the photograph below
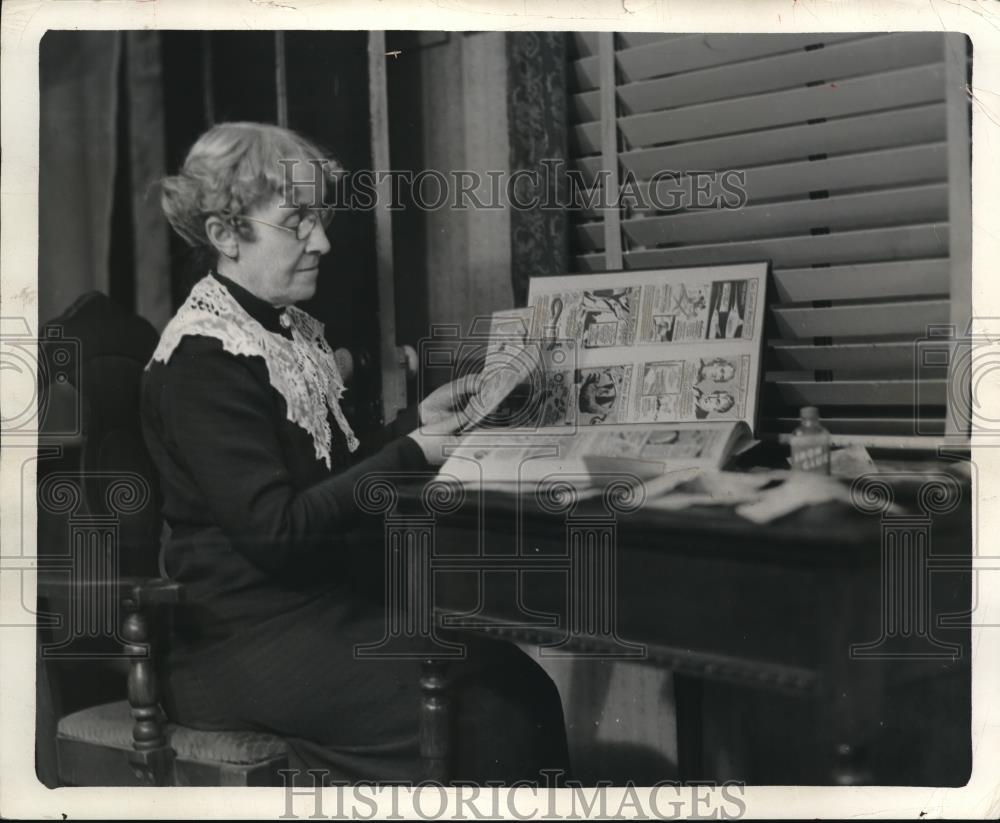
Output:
x=304 y=227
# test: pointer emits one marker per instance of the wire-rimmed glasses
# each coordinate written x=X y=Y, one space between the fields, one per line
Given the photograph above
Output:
x=307 y=222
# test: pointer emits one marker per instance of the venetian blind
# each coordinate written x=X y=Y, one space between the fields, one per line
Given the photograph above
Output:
x=855 y=150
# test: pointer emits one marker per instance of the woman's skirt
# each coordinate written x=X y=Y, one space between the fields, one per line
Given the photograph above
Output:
x=356 y=717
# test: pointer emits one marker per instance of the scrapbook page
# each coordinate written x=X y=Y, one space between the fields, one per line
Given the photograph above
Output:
x=658 y=368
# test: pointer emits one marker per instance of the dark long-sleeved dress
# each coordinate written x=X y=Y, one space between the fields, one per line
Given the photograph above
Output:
x=258 y=491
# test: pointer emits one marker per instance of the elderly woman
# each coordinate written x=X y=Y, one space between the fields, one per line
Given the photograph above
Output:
x=258 y=465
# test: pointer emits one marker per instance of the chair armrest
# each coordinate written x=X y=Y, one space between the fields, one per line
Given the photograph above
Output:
x=136 y=592
x=157 y=591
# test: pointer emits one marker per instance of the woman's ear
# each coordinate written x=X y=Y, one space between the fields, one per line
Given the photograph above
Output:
x=222 y=236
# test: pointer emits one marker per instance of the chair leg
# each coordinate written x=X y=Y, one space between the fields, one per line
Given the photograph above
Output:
x=47 y=711
x=435 y=721
x=151 y=756
x=688 y=702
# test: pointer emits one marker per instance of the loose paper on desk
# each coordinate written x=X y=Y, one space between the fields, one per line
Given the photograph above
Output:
x=705 y=488
x=759 y=500
x=799 y=489
x=851 y=462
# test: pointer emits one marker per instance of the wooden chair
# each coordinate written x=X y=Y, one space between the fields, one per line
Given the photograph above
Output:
x=99 y=535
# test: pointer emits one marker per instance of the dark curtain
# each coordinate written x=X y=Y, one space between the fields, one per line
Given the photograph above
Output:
x=147 y=164
x=78 y=75
x=101 y=140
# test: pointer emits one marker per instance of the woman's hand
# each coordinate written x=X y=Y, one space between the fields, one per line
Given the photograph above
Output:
x=442 y=416
x=435 y=438
x=448 y=400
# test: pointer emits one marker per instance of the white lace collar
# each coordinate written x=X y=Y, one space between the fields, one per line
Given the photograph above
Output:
x=302 y=370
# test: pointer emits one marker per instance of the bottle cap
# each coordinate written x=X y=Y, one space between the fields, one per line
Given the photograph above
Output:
x=809 y=413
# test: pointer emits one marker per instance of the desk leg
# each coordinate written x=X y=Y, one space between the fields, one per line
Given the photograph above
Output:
x=435 y=721
x=852 y=695
x=688 y=694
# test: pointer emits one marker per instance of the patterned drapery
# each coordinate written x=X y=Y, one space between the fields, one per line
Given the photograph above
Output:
x=536 y=110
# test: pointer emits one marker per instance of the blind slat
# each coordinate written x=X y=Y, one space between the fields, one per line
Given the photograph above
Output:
x=900 y=242
x=888 y=167
x=868 y=318
x=878 y=130
x=915 y=204
x=894 y=89
x=866 y=170
x=894 y=278
x=868 y=55
x=585 y=73
x=585 y=42
x=634 y=39
x=701 y=51
x=896 y=357
x=855 y=392
x=697 y=51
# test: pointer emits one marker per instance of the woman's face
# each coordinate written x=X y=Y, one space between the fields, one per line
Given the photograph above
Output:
x=273 y=263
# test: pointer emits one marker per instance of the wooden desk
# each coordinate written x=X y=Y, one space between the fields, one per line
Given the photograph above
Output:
x=717 y=600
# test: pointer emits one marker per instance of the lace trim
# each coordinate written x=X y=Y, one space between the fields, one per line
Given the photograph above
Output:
x=302 y=370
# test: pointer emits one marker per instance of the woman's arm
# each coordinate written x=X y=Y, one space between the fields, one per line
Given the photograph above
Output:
x=406 y=421
x=443 y=403
x=219 y=421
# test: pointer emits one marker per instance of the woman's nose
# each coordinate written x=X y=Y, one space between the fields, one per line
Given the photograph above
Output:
x=318 y=242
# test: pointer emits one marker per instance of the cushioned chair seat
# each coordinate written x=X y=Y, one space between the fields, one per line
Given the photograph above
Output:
x=111 y=724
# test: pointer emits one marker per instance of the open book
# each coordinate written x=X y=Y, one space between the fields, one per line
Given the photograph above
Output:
x=645 y=372
x=518 y=458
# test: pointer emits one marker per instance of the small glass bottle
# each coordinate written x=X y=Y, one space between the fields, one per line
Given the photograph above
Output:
x=810 y=443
